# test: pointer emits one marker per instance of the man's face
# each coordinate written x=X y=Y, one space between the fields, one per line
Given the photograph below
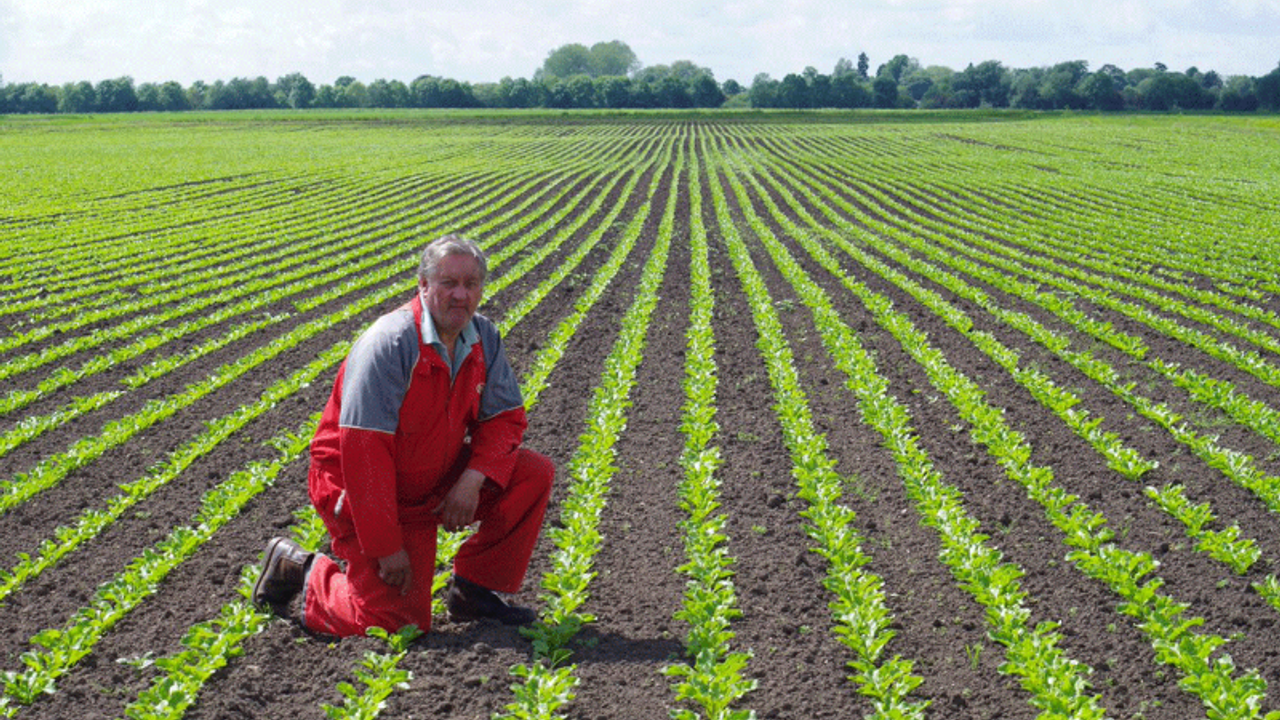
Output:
x=453 y=293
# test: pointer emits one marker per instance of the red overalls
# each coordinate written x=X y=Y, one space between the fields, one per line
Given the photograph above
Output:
x=375 y=487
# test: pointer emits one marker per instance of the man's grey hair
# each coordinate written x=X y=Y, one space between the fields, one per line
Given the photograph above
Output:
x=450 y=245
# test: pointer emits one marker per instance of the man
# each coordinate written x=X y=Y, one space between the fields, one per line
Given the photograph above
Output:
x=423 y=429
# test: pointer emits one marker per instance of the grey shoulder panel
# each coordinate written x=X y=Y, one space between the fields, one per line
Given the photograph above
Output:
x=378 y=370
x=501 y=389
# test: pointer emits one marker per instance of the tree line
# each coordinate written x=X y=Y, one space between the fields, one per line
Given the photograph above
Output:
x=608 y=75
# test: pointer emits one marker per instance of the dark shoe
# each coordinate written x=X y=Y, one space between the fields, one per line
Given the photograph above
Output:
x=284 y=572
x=469 y=601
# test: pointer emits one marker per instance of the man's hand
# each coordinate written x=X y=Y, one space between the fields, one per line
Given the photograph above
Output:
x=458 y=509
x=395 y=570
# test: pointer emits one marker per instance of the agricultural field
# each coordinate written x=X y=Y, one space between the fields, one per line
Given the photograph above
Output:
x=855 y=415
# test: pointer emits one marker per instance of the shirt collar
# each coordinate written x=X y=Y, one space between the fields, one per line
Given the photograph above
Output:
x=468 y=337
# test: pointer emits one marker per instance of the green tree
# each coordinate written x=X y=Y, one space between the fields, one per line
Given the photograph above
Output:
x=565 y=62
x=613 y=91
x=731 y=87
x=673 y=92
x=848 y=91
x=116 y=95
x=706 y=92
x=148 y=97
x=940 y=95
x=1024 y=88
x=77 y=97
x=864 y=64
x=884 y=91
x=985 y=83
x=29 y=98
x=351 y=94
x=612 y=58
x=424 y=92
x=644 y=94
x=172 y=97
x=518 y=93
x=794 y=93
x=917 y=84
x=1099 y=92
x=388 y=94
x=764 y=91
x=1238 y=95
x=1267 y=90
x=1058 y=89
x=456 y=94
x=197 y=95
x=896 y=68
x=326 y=97
x=581 y=91
x=296 y=90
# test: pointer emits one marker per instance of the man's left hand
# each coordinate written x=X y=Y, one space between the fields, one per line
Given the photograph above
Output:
x=458 y=509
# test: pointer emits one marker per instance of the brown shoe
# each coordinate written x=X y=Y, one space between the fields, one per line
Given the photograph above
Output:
x=284 y=572
x=469 y=601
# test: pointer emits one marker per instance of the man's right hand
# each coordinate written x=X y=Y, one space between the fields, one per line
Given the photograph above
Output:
x=395 y=570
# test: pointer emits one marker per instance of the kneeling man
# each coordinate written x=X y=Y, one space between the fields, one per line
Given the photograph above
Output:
x=423 y=429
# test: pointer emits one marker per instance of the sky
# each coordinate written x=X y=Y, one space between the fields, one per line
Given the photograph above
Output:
x=59 y=41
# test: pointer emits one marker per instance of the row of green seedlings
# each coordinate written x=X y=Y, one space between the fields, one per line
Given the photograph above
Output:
x=1211 y=679
x=547 y=683
x=1073 y=223
x=245 y=242
x=297 y=266
x=211 y=644
x=32 y=427
x=861 y=616
x=61 y=648
x=83 y=214
x=476 y=188
x=380 y=674
x=1019 y=229
x=714 y=680
x=464 y=194
x=93 y=521
x=119 y=297
x=52 y=470
x=1141 y=247
x=1057 y=683
x=314 y=193
x=1223 y=545
x=517 y=310
x=361 y=278
x=112 y=254
x=1132 y=243
x=1228 y=325
x=1238 y=467
x=1077 y=282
